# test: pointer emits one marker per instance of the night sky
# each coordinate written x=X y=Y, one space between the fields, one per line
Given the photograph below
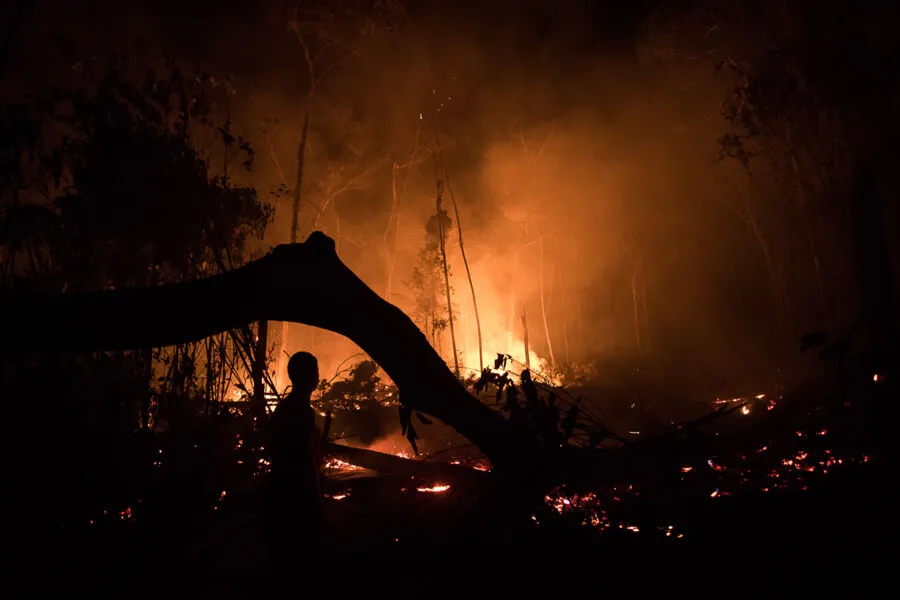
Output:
x=251 y=37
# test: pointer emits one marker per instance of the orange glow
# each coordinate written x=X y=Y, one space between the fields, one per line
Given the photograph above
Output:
x=339 y=465
x=435 y=489
x=501 y=292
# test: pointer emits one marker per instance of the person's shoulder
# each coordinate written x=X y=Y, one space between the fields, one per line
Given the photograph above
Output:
x=293 y=408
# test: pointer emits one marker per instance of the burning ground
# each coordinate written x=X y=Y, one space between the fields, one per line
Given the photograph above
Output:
x=643 y=207
x=777 y=464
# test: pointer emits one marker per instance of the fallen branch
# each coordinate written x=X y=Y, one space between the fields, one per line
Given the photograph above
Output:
x=303 y=283
x=388 y=464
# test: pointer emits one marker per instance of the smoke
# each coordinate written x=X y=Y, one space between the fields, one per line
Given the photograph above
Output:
x=586 y=182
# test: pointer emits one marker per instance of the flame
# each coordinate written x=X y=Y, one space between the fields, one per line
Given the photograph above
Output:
x=435 y=489
x=337 y=464
x=500 y=294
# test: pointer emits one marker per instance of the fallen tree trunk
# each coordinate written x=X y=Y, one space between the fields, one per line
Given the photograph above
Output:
x=303 y=283
x=388 y=464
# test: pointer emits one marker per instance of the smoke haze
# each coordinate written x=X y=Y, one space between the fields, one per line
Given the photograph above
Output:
x=586 y=175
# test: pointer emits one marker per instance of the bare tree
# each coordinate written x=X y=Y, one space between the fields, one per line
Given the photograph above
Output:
x=441 y=220
x=462 y=250
x=416 y=156
x=331 y=34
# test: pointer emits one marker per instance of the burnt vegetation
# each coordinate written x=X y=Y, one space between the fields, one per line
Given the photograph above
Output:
x=143 y=269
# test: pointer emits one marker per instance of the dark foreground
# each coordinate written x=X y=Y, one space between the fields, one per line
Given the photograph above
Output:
x=804 y=480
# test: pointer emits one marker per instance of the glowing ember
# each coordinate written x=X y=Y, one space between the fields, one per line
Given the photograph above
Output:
x=875 y=377
x=336 y=464
x=723 y=401
x=435 y=489
x=715 y=467
x=687 y=469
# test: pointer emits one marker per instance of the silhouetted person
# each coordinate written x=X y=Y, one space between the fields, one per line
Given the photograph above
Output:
x=294 y=512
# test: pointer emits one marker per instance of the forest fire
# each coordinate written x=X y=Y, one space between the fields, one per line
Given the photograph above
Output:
x=536 y=263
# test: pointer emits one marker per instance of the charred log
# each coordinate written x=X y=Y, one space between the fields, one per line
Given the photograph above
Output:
x=389 y=464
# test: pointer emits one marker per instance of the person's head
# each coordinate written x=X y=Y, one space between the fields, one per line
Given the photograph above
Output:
x=303 y=369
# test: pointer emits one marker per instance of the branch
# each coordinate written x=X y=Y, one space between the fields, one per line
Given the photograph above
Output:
x=303 y=283
x=274 y=156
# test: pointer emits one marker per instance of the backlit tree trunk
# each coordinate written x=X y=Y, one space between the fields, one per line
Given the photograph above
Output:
x=303 y=283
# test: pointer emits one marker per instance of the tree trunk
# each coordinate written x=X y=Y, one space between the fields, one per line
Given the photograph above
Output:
x=395 y=218
x=259 y=369
x=388 y=464
x=645 y=321
x=525 y=340
x=565 y=316
x=447 y=288
x=210 y=375
x=543 y=308
x=634 y=303
x=304 y=283
x=295 y=211
x=462 y=250
x=298 y=185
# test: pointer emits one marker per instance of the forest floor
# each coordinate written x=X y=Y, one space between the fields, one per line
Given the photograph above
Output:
x=797 y=478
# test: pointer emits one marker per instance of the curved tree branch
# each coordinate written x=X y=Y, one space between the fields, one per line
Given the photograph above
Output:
x=304 y=283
